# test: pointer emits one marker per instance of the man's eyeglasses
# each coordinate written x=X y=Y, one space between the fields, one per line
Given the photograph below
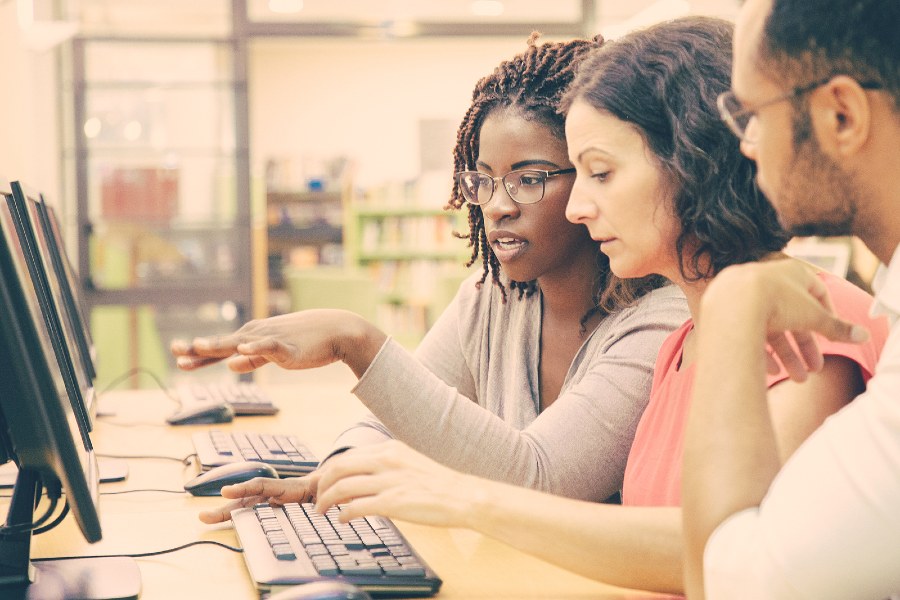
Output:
x=738 y=117
x=524 y=186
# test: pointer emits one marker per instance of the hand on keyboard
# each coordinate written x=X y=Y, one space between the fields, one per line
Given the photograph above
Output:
x=392 y=480
x=262 y=490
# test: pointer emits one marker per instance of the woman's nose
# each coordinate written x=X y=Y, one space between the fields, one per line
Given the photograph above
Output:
x=579 y=207
x=501 y=204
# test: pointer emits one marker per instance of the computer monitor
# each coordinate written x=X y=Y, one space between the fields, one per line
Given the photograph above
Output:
x=80 y=387
x=68 y=280
x=39 y=431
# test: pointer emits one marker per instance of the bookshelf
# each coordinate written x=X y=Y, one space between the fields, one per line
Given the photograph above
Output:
x=304 y=228
x=387 y=252
x=404 y=241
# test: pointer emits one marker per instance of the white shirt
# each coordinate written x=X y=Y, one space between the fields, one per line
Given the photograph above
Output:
x=829 y=526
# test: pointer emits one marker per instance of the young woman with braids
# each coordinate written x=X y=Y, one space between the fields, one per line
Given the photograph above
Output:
x=662 y=186
x=536 y=377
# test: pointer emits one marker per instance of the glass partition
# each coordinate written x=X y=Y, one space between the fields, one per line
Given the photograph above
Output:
x=158 y=149
x=445 y=11
x=159 y=18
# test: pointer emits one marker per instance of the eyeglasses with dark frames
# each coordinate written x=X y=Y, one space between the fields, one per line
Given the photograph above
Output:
x=524 y=186
x=738 y=116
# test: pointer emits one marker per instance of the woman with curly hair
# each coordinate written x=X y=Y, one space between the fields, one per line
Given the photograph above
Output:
x=538 y=371
x=662 y=186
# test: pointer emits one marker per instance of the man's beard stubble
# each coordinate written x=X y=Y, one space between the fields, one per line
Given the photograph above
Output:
x=820 y=195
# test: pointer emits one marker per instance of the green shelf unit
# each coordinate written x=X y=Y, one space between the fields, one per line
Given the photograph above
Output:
x=370 y=212
x=408 y=250
x=411 y=254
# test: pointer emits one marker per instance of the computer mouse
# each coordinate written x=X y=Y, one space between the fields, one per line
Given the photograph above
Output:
x=202 y=414
x=210 y=483
x=332 y=589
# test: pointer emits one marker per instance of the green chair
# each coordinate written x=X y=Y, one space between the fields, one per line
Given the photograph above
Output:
x=331 y=287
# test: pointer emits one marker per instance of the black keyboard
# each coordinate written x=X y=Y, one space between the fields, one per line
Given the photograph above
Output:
x=292 y=544
x=244 y=397
x=289 y=456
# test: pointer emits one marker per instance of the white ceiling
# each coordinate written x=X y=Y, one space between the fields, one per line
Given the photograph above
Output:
x=212 y=16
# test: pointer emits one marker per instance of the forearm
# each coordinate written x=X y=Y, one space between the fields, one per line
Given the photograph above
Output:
x=357 y=343
x=363 y=433
x=574 y=449
x=577 y=448
x=731 y=454
x=633 y=547
x=430 y=416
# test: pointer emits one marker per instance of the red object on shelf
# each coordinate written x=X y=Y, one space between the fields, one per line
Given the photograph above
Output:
x=140 y=194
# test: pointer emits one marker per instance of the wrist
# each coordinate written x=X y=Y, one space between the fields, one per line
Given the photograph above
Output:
x=358 y=343
x=484 y=507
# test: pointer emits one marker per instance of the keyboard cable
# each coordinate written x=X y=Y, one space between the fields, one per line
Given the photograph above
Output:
x=146 y=554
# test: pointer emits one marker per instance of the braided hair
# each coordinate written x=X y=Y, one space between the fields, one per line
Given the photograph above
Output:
x=533 y=83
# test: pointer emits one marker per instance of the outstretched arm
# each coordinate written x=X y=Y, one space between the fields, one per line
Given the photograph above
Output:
x=301 y=340
x=576 y=448
x=731 y=453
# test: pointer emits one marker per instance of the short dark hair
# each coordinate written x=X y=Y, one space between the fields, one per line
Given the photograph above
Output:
x=806 y=41
x=532 y=83
x=664 y=81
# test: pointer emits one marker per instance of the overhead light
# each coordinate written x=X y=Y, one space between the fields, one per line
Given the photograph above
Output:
x=487 y=8
x=132 y=130
x=286 y=6
x=92 y=127
x=401 y=29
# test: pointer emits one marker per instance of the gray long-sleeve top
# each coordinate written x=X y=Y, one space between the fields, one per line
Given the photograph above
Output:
x=470 y=397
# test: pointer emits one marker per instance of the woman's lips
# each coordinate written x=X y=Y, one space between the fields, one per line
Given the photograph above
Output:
x=507 y=247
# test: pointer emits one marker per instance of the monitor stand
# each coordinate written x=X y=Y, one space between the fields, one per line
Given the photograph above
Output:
x=111 y=469
x=116 y=578
x=21 y=578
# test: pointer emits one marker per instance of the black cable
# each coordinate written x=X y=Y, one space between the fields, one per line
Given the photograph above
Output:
x=55 y=522
x=113 y=494
x=17 y=528
x=145 y=554
x=138 y=370
x=106 y=420
x=142 y=490
x=185 y=461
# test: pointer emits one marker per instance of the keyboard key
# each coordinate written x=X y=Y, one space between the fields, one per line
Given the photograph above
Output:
x=283 y=552
x=217 y=447
x=361 y=548
x=245 y=398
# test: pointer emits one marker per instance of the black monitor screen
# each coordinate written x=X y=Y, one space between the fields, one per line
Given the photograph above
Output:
x=42 y=434
x=63 y=300
x=68 y=281
x=43 y=280
x=44 y=446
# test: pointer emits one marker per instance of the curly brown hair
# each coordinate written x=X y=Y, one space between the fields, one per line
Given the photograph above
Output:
x=533 y=83
x=664 y=81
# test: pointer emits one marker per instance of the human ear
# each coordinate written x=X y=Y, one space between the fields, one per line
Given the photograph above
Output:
x=842 y=116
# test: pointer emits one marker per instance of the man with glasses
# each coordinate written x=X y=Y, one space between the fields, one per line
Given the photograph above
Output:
x=816 y=103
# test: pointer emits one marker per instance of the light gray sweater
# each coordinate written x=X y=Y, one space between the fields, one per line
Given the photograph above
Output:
x=470 y=397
